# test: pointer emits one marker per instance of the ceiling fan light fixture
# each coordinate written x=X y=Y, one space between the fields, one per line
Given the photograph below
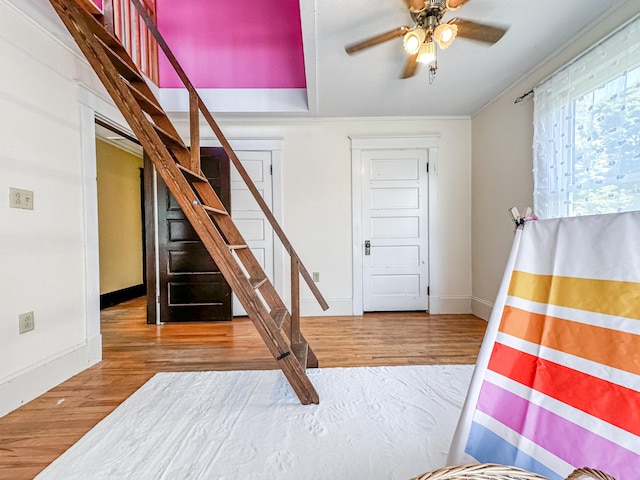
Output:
x=413 y=40
x=427 y=53
x=454 y=6
x=444 y=34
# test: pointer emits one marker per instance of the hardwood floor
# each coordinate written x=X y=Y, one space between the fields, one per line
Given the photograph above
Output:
x=37 y=433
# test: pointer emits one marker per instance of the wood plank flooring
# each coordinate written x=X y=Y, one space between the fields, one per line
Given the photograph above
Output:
x=37 y=433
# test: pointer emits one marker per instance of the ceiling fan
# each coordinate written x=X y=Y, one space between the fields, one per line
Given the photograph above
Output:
x=428 y=30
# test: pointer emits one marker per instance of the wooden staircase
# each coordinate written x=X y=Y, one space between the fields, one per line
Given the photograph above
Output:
x=179 y=167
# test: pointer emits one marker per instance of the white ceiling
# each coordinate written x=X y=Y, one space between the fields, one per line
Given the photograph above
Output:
x=470 y=74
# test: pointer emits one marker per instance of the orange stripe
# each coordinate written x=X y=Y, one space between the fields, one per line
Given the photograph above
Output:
x=603 y=345
x=610 y=297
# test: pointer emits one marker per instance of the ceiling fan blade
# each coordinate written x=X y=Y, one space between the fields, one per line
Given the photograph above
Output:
x=411 y=67
x=370 y=42
x=478 y=31
x=455 y=4
x=415 y=5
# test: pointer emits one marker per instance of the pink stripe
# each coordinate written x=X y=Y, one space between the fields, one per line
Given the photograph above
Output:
x=568 y=441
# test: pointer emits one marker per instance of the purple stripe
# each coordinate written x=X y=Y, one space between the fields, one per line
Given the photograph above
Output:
x=572 y=443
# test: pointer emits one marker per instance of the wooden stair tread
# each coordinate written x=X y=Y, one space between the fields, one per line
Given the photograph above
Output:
x=108 y=39
x=215 y=211
x=279 y=316
x=257 y=282
x=148 y=105
x=300 y=351
x=237 y=247
x=123 y=68
x=104 y=35
x=191 y=175
x=169 y=139
x=214 y=205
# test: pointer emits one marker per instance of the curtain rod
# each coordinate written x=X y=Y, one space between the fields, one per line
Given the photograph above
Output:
x=523 y=96
x=578 y=57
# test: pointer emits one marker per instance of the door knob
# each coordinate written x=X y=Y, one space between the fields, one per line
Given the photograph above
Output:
x=367 y=247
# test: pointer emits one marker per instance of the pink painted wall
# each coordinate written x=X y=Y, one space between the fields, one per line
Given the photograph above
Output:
x=229 y=44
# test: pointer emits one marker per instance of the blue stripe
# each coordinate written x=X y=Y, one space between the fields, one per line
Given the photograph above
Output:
x=488 y=447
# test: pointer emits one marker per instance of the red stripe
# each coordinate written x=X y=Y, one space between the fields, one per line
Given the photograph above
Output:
x=615 y=404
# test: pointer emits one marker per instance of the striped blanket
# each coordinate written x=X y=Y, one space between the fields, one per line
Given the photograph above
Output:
x=557 y=382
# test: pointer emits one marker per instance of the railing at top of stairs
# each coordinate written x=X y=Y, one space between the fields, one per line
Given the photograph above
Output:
x=122 y=20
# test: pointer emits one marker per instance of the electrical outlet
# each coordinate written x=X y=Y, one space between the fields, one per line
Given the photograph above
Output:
x=26 y=322
x=19 y=198
x=316 y=276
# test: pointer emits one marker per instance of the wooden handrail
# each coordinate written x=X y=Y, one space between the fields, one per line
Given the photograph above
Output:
x=229 y=151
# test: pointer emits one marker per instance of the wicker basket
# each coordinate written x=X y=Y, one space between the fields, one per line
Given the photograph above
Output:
x=489 y=471
x=588 y=473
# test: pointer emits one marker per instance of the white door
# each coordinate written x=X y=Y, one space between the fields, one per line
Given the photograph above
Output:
x=395 y=229
x=248 y=216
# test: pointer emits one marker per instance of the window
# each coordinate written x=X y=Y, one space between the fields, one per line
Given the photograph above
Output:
x=587 y=132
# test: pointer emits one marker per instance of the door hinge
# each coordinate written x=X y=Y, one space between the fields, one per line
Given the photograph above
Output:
x=427 y=167
x=428 y=291
x=271 y=169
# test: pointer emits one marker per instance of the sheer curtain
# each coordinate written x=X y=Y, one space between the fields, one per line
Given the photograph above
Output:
x=587 y=131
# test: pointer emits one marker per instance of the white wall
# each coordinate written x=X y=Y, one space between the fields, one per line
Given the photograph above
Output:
x=48 y=256
x=502 y=138
x=316 y=164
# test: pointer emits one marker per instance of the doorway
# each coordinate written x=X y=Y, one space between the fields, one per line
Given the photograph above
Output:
x=187 y=284
x=248 y=216
x=394 y=185
x=394 y=226
x=120 y=199
x=262 y=160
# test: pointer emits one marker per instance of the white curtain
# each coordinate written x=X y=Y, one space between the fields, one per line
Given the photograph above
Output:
x=587 y=132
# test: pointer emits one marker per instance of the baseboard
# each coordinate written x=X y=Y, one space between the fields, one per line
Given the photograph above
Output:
x=25 y=386
x=119 y=296
x=481 y=308
x=344 y=306
x=454 y=304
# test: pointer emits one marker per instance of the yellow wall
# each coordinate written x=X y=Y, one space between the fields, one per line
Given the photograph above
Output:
x=119 y=218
